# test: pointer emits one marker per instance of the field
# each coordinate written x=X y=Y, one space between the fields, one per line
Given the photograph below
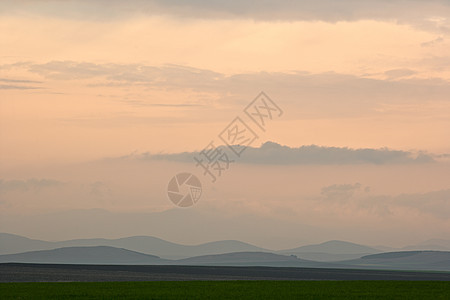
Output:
x=229 y=290
x=13 y=272
x=52 y=281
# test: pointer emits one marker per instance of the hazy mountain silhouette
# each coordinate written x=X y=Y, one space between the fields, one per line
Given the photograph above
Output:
x=405 y=260
x=335 y=247
x=331 y=251
x=242 y=258
x=84 y=255
x=165 y=249
x=211 y=226
x=10 y=244
x=152 y=250
x=111 y=255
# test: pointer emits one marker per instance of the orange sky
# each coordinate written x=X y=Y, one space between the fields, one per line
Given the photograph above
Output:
x=89 y=109
x=78 y=84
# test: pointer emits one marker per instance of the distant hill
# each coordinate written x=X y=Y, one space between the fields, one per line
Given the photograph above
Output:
x=331 y=251
x=165 y=249
x=152 y=250
x=83 y=255
x=334 y=247
x=265 y=259
x=118 y=256
x=242 y=258
x=10 y=244
x=405 y=260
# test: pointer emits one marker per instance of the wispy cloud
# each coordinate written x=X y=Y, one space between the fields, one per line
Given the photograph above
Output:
x=399 y=73
x=323 y=93
x=435 y=203
x=127 y=73
x=17 y=84
x=17 y=87
x=140 y=103
x=432 y=43
x=340 y=191
x=18 y=80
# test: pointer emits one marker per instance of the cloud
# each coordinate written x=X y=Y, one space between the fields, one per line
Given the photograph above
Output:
x=340 y=191
x=17 y=87
x=13 y=84
x=70 y=70
x=430 y=15
x=273 y=153
x=434 y=203
x=125 y=73
x=140 y=103
x=399 y=73
x=326 y=93
x=99 y=189
x=173 y=76
x=434 y=42
x=338 y=197
x=437 y=63
x=28 y=185
x=19 y=80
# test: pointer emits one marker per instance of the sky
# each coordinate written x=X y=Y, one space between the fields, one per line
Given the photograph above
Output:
x=102 y=102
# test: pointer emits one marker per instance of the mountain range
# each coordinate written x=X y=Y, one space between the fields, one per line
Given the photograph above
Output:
x=84 y=255
x=146 y=250
x=105 y=255
x=10 y=244
x=331 y=251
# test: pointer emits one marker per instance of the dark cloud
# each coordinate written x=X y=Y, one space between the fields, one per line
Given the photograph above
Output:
x=419 y=13
x=273 y=153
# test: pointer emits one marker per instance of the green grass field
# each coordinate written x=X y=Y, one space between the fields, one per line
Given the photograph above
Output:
x=229 y=290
